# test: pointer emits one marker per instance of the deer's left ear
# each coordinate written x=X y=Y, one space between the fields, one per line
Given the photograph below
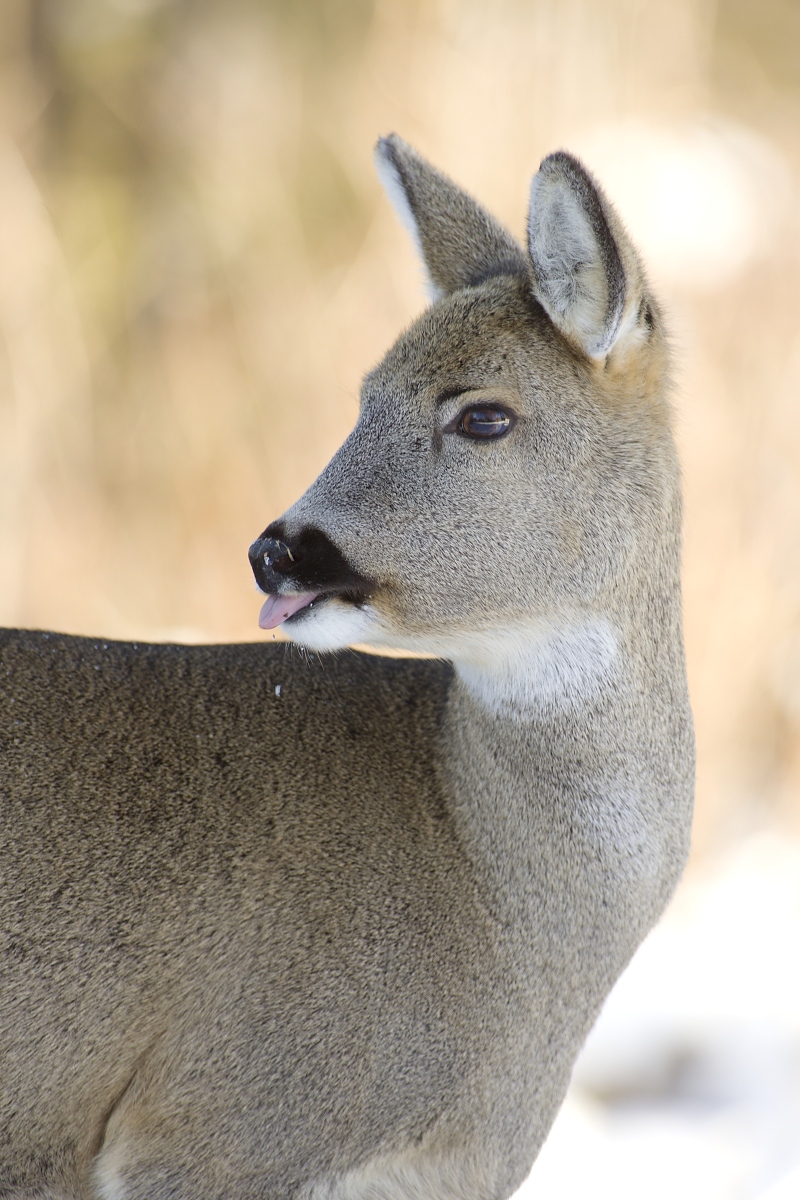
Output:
x=586 y=273
x=459 y=242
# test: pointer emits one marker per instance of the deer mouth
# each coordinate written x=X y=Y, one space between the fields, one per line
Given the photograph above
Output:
x=276 y=609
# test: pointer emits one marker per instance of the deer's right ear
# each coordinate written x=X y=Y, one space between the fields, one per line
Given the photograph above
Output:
x=459 y=242
x=585 y=271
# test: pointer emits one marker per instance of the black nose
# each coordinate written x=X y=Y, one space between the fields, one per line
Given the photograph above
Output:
x=274 y=553
x=272 y=559
x=309 y=559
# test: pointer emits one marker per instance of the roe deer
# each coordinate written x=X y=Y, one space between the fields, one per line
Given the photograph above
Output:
x=278 y=928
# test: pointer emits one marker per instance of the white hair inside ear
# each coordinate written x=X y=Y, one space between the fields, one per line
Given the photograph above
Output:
x=579 y=278
x=389 y=175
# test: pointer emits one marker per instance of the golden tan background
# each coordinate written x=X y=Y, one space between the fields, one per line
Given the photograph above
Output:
x=197 y=265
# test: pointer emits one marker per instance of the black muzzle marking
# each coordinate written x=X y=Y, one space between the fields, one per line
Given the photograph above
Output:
x=310 y=560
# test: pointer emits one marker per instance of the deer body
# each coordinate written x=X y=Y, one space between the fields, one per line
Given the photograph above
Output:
x=337 y=929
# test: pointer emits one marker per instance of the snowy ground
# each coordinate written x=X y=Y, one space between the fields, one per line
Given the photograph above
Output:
x=689 y=1086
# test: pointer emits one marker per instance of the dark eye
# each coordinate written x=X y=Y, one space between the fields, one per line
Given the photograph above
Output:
x=484 y=422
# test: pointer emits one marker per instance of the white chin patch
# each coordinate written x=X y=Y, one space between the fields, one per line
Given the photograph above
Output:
x=529 y=666
x=332 y=625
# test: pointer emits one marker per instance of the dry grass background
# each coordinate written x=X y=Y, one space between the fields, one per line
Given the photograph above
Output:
x=197 y=266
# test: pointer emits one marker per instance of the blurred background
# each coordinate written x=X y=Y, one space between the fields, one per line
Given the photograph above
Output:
x=196 y=268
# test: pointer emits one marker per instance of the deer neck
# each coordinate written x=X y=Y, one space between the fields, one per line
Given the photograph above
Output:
x=550 y=755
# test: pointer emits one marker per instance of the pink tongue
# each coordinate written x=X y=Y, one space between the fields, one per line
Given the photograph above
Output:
x=277 y=609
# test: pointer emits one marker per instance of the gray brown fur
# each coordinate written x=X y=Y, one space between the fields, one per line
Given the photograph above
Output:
x=345 y=941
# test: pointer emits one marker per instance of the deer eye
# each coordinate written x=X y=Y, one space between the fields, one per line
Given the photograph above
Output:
x=484 y=422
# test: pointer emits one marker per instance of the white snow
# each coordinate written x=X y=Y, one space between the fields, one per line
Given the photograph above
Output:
x=689 y=1085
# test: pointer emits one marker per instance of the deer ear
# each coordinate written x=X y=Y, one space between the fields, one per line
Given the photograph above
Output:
x=585 y=272
x=458 y=241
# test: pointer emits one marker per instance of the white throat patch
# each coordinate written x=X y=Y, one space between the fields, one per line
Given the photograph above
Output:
x=540 y=665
